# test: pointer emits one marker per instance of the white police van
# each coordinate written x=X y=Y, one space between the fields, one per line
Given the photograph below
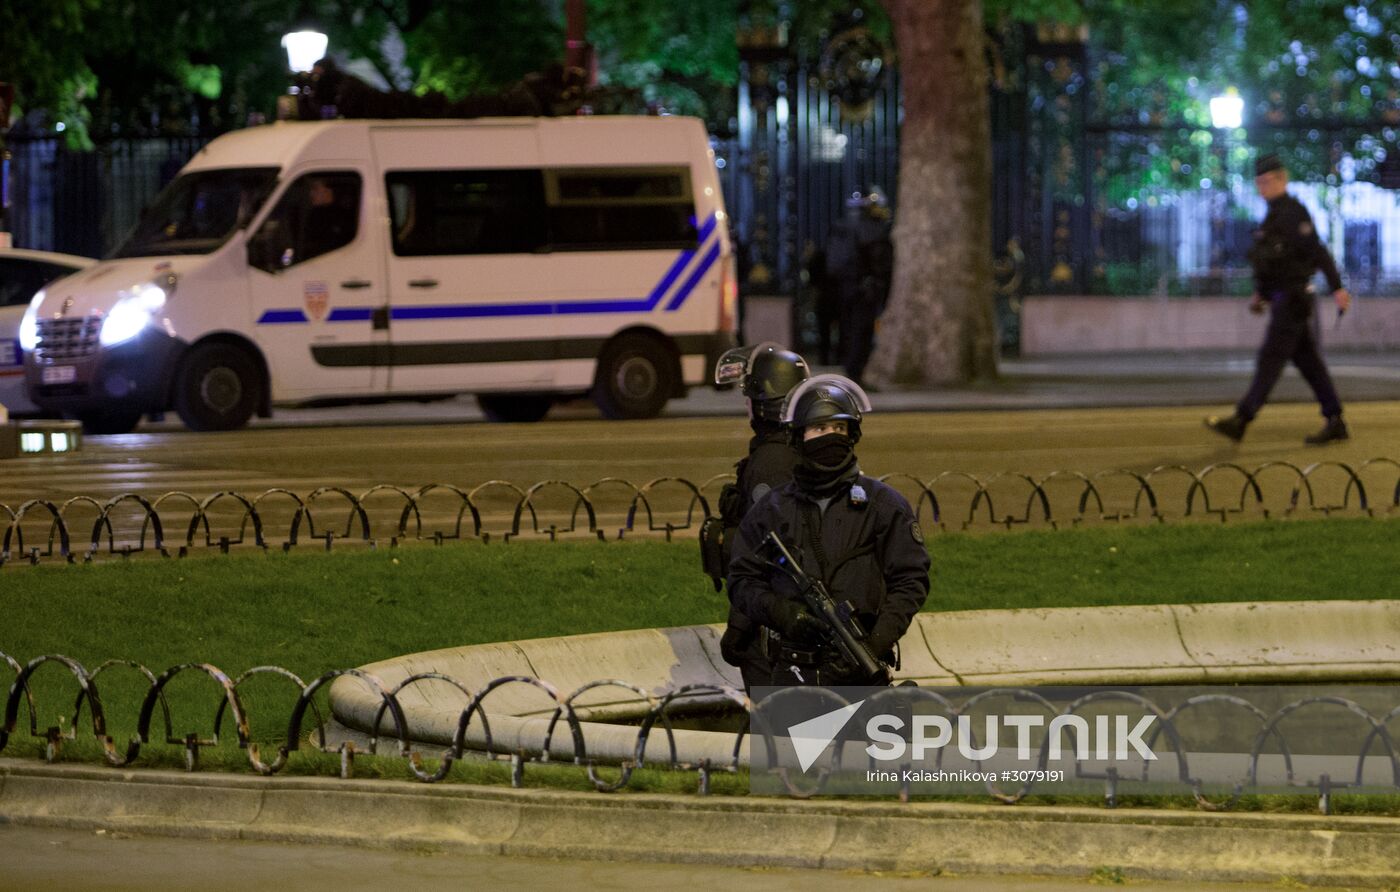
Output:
x=520 y=259
x=22 y=274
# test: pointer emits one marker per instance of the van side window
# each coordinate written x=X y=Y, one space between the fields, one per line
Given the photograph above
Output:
x=618 y=209
x=318 y=213
x=436 y=212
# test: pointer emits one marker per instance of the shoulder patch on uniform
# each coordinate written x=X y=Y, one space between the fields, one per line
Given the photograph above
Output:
x=917 y=533
x=1305 y=228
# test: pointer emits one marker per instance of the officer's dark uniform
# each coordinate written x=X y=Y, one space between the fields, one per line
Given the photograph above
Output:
x=768 y=466
x=1285 y=255
x=768 y=373
x=866 y=547
x=859 y=262
x=852 y=532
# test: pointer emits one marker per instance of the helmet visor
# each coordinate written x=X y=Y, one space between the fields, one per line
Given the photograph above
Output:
x=734 y=364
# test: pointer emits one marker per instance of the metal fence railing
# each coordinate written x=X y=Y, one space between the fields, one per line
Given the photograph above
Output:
x=566 y=738
x=179 y=522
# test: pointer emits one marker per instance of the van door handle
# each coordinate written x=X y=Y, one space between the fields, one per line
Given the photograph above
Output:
x=423 y=283
x=355 y=284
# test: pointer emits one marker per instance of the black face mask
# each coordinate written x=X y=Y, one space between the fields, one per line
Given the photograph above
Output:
x=828 y=462
x=828 y=452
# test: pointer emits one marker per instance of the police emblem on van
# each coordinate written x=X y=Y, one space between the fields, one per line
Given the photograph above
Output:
x=317 y=299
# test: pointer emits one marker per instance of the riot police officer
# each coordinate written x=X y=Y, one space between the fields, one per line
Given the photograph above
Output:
x=765 y=374
x=1286 y=253
x=860 y=261
x=854 y=533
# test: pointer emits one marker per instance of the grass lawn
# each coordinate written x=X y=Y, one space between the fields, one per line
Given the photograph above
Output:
x=311 y=612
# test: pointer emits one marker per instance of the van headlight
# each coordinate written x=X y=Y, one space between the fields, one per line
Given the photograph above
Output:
x=29 y=325
x=131 y=314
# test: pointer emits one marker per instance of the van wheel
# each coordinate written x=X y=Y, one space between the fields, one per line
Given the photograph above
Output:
x=635 y=378
x=217 y=388
x=110 y=421
x=522 y=407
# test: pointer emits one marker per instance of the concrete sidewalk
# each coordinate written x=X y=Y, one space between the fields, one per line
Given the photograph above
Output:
x=951 y=838
x=41 y=859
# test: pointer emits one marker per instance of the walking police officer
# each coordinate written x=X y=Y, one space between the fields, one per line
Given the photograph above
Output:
x=857 y=535
x=860 y=261
x=765 y=374
x=1286 y=253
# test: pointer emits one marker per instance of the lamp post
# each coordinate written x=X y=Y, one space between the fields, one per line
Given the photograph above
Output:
x=578 y=52
x=1227 y=111
x=7 y=98
x=1227 y=116
x=305 y=47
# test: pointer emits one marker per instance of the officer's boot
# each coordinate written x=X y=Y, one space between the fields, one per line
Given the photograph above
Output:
x=1334 y=430
x=1232 y=427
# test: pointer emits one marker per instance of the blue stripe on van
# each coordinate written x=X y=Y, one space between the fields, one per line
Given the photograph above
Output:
x=586 y=307
x=467 y=311
x=668 y=280
x=623 y=305
x=690 y=283
x=351 y=314
x=279 y=317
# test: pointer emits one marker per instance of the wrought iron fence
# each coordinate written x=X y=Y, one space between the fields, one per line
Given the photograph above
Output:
x=85 y=202
x=176 y=523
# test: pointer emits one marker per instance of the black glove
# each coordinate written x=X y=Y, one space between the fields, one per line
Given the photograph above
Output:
x=881 y=642
x=794 y=623
x=835 y=666
x=734 y=645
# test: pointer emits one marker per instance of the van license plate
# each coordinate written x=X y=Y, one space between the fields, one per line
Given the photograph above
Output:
x=60 y=374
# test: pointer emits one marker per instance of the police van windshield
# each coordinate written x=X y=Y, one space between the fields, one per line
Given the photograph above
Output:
x=199 y=211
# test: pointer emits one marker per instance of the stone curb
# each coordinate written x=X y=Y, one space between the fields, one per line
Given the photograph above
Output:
x=1224 y=643
x=927 y=836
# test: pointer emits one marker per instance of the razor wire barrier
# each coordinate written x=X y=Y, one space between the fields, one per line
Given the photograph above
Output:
x=656 y=709
x=615 y=508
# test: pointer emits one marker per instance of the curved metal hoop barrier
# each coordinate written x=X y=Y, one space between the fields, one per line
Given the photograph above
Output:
x=609 y=703
x=613 y=507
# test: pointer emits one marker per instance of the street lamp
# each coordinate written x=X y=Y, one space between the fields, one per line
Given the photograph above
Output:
x=1227 y=111
x=304 y=49
x=1227 y=114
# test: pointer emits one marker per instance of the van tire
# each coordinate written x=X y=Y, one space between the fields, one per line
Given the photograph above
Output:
x=110 y=421
x=636 y=376
x=520 y=408
x=218 y=387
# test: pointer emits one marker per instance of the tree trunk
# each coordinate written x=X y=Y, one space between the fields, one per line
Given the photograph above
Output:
x=939 y=324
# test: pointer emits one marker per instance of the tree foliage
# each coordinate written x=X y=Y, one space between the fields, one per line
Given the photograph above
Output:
x=42 y=54
x=681 y=56
x=168 y=66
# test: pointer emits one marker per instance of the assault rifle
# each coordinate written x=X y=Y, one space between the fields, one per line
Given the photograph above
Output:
x=844 y=629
